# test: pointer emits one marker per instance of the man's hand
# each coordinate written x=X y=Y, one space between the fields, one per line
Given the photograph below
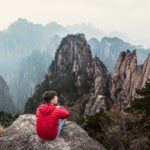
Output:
x=57 y=106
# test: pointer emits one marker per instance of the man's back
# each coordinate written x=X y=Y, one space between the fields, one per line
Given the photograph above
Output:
x=47 y=117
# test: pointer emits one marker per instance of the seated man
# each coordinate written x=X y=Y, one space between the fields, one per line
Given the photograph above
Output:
x=49 y=117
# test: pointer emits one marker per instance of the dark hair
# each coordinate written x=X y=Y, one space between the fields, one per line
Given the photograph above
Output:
x=49 y=95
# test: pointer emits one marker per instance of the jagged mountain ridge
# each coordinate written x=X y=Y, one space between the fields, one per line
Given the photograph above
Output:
x=22 y=38
x=108 y=50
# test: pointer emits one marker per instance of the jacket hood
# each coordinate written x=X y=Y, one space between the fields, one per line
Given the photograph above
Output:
x=46 y=108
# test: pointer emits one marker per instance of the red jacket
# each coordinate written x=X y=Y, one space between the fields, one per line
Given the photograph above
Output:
x=47 y=117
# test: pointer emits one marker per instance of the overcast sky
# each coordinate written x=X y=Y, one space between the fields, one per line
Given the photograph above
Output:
x=128 y=16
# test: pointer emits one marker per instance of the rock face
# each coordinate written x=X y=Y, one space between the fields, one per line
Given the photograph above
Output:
x=79 y=78
x=127 y=77
x=6 y=103
x=21 y=136
x=99 y=94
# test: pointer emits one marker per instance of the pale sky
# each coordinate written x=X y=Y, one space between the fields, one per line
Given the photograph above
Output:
x=128 y=16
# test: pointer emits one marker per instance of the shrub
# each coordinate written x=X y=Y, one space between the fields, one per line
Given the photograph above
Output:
x=6 y=119
x=94 y=124
x=141 y=105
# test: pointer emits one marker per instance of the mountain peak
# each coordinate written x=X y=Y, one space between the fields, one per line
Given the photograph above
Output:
x=19 y=21
x=112 y=39
x=73 y=51
x=22 y=20
x=22 y=24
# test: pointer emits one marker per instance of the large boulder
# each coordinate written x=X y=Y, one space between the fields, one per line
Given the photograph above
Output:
x=21 y=135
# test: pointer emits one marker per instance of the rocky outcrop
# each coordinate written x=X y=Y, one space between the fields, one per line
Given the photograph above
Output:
x=6 y=103
x=127 y=77
x=21 y=135
x=78 y=78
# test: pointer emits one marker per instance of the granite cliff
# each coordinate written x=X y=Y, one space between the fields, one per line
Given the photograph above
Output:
x=128 y=76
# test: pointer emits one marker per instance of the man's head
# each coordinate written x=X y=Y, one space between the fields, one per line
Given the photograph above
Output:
x=50 y=97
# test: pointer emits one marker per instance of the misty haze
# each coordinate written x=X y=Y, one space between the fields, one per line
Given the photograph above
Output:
x=78 y=69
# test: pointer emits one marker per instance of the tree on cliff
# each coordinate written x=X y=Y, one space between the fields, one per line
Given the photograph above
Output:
x=141 y=105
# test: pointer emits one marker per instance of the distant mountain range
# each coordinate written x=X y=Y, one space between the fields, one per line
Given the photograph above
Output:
x=108 y=50
x=27 y=49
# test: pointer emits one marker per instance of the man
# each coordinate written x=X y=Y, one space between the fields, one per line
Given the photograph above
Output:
x=49 y=117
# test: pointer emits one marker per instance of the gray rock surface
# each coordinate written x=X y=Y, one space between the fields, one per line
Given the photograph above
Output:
x=99 y=93
x=21 y=136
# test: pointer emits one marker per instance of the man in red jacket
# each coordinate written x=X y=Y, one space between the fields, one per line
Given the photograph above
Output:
x=49 y=117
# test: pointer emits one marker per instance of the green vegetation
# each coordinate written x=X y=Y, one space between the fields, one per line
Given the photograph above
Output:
x=85 y=81
x=6 y=119
x=64 y=86
x=67 y=87
x=141 y=105
x=117 y=130
x=94 y=124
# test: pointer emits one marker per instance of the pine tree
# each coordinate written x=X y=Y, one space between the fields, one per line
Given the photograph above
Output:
x=142 y=103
